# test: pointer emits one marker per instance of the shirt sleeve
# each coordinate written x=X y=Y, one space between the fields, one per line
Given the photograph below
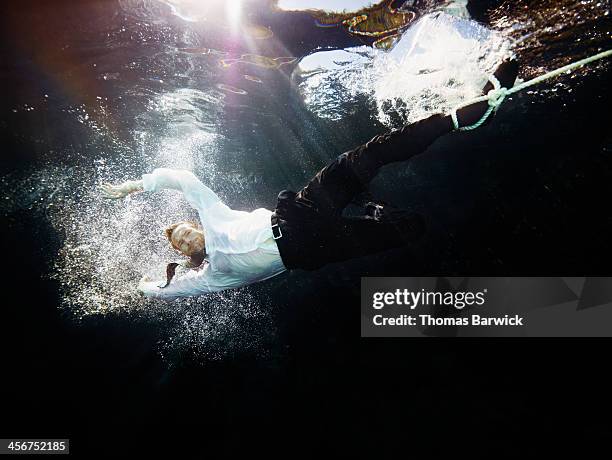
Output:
x=196 y=193
x=194 y=283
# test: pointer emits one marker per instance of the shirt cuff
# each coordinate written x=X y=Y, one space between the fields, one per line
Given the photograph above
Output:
x=148 y=182
x=149 y=288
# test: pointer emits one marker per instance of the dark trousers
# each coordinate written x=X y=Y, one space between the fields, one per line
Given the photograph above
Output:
x=315 y=233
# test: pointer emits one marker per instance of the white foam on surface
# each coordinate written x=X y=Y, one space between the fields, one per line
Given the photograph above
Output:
x=439 y=62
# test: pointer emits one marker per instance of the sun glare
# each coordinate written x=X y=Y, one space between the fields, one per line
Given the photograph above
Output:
x=233 y=10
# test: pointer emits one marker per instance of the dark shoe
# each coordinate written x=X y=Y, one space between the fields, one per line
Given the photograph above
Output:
x=506 y=75
x=376 y=209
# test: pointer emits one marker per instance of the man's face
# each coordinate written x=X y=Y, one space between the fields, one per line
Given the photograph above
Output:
x=188 y=240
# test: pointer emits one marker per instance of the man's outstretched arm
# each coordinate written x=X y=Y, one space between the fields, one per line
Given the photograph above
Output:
x=122 y=190
x=194 y=283
x=196 y=193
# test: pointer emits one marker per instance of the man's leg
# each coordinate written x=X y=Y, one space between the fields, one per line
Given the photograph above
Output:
x=333 y=188
x=339 y=182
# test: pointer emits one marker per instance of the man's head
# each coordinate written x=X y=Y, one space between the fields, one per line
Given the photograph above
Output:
x=186 y=237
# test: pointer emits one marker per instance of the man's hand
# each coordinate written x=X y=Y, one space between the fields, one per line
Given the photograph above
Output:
x=115 y=192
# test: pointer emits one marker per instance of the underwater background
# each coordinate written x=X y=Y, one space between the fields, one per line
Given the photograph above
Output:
x=255 y=97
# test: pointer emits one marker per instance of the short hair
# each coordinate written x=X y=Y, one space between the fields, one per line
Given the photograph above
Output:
x=170 y=230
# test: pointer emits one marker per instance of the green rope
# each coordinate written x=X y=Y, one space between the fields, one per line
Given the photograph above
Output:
x=496 y=96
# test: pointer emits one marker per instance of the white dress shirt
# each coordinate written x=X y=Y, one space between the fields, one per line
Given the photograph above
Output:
x=240 y=248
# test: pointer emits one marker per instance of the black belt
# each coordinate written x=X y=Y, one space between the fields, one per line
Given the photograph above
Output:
x=284 y=244
x=276 y=230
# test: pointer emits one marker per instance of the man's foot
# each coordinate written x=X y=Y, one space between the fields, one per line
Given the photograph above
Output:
x=506 y=75
x=374 y=209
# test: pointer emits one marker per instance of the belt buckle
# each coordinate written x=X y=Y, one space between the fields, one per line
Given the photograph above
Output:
x=280 y=234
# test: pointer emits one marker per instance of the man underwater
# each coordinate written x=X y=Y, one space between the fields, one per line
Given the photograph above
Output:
x=307 y=229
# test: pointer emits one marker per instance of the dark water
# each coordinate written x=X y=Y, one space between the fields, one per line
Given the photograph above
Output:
x=108 y=90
